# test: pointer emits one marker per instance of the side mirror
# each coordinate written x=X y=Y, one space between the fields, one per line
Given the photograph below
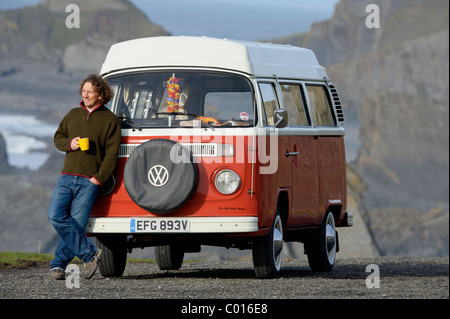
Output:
x=280 y=117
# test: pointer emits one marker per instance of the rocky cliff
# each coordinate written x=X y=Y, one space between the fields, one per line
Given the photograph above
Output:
x=395 y=87
x=3 y=156
x=40 y=33
x=42 y=59
x=41 y=65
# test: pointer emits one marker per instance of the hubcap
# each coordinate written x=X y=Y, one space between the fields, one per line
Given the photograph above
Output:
x=278 y=243
x=331 y=238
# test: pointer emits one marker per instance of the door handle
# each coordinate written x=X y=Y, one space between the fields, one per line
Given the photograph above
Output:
x=287 y=154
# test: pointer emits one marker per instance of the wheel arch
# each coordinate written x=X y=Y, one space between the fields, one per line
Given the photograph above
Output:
x=335 y=207
x=282 y=205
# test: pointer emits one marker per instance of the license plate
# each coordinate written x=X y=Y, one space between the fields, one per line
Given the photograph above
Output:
x=159 y=225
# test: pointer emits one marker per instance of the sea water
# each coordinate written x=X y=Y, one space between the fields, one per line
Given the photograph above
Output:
x=24 y=136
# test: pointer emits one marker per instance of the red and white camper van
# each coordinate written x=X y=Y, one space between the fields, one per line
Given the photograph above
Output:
x=224 y=143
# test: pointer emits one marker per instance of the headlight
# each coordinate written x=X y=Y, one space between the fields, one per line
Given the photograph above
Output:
x=227 y=182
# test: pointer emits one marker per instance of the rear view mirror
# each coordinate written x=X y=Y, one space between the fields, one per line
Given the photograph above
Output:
x=281 y=118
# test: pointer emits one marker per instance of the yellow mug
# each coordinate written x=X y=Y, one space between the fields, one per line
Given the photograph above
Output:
x=84 y=143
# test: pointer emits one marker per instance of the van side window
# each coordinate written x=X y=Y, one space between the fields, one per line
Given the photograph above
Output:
x=320 y=106
x=295 y=106
x=269 y=98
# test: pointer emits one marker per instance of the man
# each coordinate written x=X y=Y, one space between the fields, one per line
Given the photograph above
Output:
x=83 y=173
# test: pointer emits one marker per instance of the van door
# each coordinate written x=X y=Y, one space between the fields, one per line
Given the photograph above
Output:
x=302 y=155
x=278 y=179
x=330 y=150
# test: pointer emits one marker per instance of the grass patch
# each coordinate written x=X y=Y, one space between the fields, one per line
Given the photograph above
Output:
x=23 y=260
x=26 y=260
x=140 y=260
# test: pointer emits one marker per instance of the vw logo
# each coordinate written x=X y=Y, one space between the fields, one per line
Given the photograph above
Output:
x=158 y=175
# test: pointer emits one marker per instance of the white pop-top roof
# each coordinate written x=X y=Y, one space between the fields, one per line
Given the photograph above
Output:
x=254 y=58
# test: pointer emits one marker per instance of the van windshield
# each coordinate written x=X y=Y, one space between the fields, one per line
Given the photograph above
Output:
x=182 y=99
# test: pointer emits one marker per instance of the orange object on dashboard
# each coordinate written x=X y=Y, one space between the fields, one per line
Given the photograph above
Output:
x=207 y=120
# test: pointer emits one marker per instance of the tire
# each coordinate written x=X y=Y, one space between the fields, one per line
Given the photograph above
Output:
x=321 y=246
x=160 y=176
x=108 y=186
x=267 y=251
x=114 y=255
x=169 y=257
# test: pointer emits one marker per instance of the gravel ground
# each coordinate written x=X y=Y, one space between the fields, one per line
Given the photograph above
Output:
x=399 y=278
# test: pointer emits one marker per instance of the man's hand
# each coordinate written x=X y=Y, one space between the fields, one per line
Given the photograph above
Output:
x=94 y=181
x=74 y=144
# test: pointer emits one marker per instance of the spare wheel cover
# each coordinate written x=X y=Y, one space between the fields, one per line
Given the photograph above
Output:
x=157 y=183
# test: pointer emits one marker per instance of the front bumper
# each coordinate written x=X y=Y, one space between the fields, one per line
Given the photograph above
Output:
x=197 y=225
x=348 y=220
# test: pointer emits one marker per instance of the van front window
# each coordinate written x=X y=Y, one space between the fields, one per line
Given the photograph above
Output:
x=182 y=99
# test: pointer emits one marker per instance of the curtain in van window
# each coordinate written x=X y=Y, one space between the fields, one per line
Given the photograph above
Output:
x=320 y=107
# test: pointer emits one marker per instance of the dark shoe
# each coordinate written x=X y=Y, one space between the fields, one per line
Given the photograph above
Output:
x=58 y=273
x=91 y=266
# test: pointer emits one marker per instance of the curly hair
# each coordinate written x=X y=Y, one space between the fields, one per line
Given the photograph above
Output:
x=100 y=85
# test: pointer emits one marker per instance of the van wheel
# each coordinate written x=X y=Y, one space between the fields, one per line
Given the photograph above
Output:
x=169 y=257
x=268 y=251
x=114 y=255
x=321 y=246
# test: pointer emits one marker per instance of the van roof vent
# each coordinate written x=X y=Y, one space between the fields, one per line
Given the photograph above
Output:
x=337 y=103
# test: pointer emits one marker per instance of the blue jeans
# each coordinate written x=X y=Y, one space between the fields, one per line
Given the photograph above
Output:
x=69 y=212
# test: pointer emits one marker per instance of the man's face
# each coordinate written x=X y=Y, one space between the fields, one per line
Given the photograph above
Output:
x=90 y=97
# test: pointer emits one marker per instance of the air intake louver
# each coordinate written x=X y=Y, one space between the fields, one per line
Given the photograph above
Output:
x=197 y=149
x=337 y=103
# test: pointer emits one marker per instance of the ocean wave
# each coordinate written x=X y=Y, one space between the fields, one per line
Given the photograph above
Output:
x=22 y=135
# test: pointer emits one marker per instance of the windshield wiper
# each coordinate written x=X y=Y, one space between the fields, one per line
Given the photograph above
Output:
x=129 y=122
